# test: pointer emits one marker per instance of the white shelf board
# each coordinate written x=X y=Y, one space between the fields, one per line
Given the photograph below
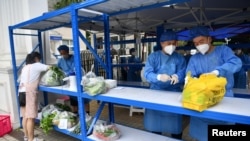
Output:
x=132 y=134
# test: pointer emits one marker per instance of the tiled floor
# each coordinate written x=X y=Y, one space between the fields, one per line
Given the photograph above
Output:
x=121 y=117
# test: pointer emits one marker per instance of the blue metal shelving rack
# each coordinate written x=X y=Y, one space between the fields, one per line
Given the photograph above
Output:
x=72 y=16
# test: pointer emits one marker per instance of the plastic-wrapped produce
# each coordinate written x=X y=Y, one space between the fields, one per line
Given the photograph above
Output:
x=106 y=132
x=93 y=84
x=53 y=77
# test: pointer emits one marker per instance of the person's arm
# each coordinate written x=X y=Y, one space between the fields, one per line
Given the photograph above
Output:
x=181 y=68
x=149 y=73
x=44 y=67
x=191 y=67
x=59 y=63
x=231 y=64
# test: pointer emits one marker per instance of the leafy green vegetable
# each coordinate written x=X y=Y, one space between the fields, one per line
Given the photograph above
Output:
x=98 y=88
x=46 y=123
x=63 y=107
x=58 y=74
x=53 y=77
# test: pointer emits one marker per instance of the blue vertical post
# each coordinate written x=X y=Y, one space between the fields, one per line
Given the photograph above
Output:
x=40 y=45
x=45 y=94
x=14 y=67
x=108 y=60
x=107 y=45
x=160 y=30
x=77 y=58
x=95 y=61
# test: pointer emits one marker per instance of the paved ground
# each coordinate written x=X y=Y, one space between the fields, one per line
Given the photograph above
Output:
x=121 y=116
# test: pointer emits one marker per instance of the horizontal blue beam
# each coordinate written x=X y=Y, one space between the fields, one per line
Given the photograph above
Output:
x=61 y=11
x=57 y=90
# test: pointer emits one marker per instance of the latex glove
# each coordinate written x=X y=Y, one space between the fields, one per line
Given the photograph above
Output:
x=186 y=81
x=163 y=77
x=174 y=79
x=216 y=72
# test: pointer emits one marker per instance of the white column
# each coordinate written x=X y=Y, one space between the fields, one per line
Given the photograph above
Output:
x=13 y=12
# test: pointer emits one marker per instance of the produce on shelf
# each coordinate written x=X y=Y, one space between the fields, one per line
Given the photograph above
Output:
x=70 y=118
x=106 y=132
x=46 y=123
x=94 y=86
x=77 y=128
x=63 y=107
x=53 y=115
x=53 y=77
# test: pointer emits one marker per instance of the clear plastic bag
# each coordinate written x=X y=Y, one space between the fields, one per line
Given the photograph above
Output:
x=93 y=84
x=53 y=77
x=106 y=132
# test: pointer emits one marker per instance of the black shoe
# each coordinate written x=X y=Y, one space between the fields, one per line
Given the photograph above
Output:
x=177 y=136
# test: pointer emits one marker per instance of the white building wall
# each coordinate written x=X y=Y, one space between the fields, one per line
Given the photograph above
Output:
x=11 y=13
x=67 y=34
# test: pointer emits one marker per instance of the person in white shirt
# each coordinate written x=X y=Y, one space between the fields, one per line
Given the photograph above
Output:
x=29 y=80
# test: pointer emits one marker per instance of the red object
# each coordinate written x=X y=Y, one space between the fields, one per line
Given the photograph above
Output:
x=5 y=125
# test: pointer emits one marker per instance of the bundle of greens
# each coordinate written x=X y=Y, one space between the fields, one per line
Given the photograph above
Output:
x=53 y=77
x=46 y=123
x=63 y=107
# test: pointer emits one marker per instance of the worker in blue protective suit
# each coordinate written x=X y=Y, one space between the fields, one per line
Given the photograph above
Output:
x=134 y=71
x=219 y=60
x=165 y=70
x=240 y=77
x=66 y=63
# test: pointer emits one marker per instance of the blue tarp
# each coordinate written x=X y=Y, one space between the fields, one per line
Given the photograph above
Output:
x=220 y=33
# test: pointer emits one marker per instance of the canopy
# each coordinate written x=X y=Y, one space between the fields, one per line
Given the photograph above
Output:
x=220 y=33
x=134 y=16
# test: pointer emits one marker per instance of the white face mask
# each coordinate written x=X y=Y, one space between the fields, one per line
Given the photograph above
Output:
x=203 y=48
x=169 y=49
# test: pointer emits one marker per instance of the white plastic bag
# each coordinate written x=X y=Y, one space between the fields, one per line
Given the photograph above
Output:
x=53 y=77
x=92 y=84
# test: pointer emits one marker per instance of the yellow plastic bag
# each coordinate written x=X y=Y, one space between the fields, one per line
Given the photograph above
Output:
x=203 y=92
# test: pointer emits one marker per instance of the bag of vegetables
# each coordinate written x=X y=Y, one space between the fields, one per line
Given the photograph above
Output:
x=106 y=132
x=94 y=86
x=53 y=77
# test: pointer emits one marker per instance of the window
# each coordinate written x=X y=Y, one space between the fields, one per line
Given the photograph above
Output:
x=67 y=42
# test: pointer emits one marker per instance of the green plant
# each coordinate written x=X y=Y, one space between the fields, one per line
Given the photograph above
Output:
x=64 y=3
x=46 y=123
x=58 y=74
x=63 y=107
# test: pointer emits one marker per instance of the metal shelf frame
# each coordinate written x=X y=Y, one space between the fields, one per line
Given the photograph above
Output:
x=74 y=16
